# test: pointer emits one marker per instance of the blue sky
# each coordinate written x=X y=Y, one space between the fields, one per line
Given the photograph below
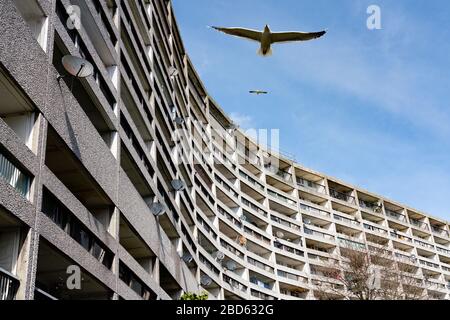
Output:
x=368 y=107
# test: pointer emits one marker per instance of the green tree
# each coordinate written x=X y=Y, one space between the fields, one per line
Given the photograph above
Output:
x=194 y=296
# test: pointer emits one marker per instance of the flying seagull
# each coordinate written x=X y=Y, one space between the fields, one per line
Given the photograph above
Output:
x=267 y=37
x=258 y=92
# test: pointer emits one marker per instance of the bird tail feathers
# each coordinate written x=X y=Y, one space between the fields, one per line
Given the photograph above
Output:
x=267 y=54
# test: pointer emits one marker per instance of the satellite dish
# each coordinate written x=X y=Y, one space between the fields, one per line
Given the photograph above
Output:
x=413 y=258
x=231 y=127
x=178 y=185
x=173 y=72
x=220 y=255
x=306 y=221
x=157 y=209
x=231 y=265
x=280 y=234
x=179 y=120
x=77 y=67
x=205 y=280
x=187 y=257
x=243 y=218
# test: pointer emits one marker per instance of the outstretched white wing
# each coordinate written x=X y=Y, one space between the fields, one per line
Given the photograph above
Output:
x=242 y=33
x=295 y=36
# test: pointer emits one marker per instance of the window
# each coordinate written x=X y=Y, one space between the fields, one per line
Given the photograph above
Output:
x=34 y=16
x=14 y=176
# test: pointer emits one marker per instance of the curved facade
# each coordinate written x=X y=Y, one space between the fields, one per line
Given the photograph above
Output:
x=136 y=180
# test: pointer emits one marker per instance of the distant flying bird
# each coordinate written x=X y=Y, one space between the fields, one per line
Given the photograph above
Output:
x=267 y=37
x=258 y=92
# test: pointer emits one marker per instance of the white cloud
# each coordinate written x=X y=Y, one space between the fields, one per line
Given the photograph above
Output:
x=379 y=79
x=244 y=121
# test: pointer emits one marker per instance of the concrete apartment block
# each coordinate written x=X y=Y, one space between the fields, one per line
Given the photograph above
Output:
x=84 y=164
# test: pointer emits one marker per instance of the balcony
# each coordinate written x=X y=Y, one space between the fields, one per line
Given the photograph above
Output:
x=313 y=210
x=251 y=180
x=8 y=285
x=419 y=224
x=226 y=186
x=439 y=231
x=444 y=251
x=371 y=206
x=285 y=223
x=318 y=234
x=346 y=220
x=280 y=173
x=429 y=264
x=395 y=215
x=424 y=244
x=254 y=207
x=292 y=276
x=301 y=182
x=399 y=236
x=282 y=198
x=351 y=244
x=260 y=265
x=260 y=283
x=234 y=284
x=261 y=295
x=374 y=229
x=342 y=196
x=289 y=249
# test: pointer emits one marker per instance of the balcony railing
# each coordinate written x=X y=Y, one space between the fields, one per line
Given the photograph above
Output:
x=283 y=247
x=282 y=198
x=285 y=223
x=254 y=207
x=346 y=220
x=8 y=285
x=259 y=283
x=226 y=186
x=395 y=215
x=261 y=295
x=439 y=231
x=342 y=196
x=351 y=244
x=314 y=210
x=419 y=224
x=310 y=185
x=445 y=251
x=251 y=180
x=424 y=244
x=260 y=265
x=283 y=175
x=318 y=234
x=372 y=206
x=375 y=229
x=429 y=264
x=257 y=235
x=234 y=284
x=396 y=235
x=292 y=276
